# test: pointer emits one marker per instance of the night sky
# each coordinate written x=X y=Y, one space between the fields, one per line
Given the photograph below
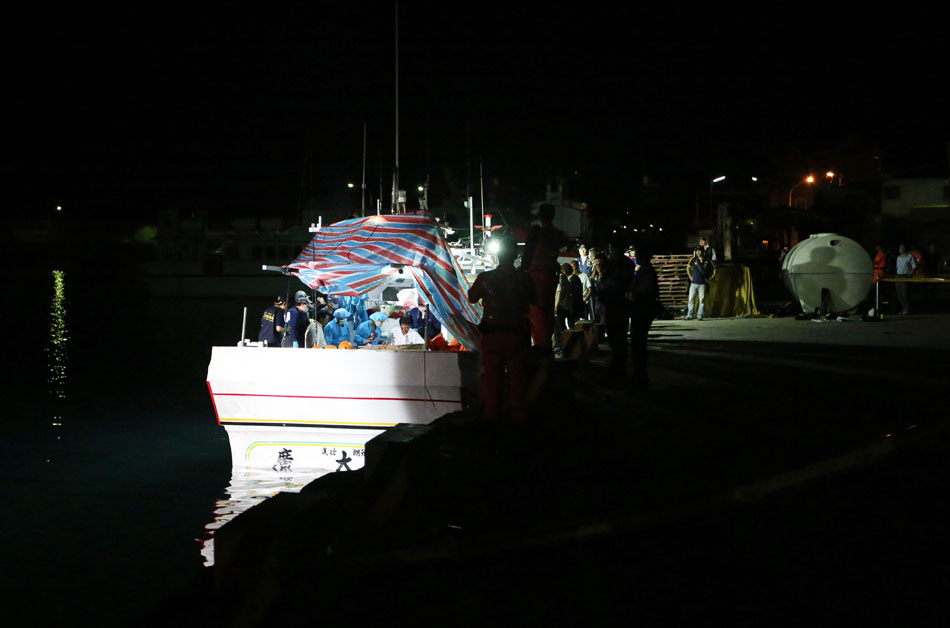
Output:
x=122 y=113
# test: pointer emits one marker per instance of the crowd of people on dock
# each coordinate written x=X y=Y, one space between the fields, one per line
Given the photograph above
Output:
x=526 y=310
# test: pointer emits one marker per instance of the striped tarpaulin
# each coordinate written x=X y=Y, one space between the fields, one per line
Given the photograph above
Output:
x=355 y=256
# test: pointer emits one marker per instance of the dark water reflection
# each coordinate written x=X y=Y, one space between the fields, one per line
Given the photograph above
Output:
x=114 y=462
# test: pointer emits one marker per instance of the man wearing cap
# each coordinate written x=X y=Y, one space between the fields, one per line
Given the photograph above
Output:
x=585 y=260
x=272 y=322
x=370 y=332
x=337 y=330
x=297 y=321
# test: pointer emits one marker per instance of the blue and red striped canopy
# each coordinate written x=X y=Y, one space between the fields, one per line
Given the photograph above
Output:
x=355 y=256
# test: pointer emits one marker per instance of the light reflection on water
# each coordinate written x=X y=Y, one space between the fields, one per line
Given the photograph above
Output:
x=248 y=488
x=57 y=349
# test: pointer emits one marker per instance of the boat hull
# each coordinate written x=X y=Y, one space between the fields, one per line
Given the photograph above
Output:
x=316 y=409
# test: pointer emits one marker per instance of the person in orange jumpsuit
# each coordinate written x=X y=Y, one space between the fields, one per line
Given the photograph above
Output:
x=506 y=294
x=880 y=262
x=540 y=260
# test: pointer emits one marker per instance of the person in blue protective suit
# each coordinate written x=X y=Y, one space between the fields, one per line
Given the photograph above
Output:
x=370 y=332
x=338 y=329
x=423 y=321
x=356 y=306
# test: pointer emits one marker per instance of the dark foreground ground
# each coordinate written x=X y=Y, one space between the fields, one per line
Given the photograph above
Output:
x=778 y=472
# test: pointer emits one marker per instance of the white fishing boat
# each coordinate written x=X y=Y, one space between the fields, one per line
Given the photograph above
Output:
x=288 y=410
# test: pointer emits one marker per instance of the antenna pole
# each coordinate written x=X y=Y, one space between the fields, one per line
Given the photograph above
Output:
x=363 y=191
x=481 y=192
x=396 y=167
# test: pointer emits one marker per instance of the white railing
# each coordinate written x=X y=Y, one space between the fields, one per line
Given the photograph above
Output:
x=473 y=263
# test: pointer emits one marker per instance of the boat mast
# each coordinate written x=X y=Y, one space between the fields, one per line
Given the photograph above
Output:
x=481 y=193
x=395 y=199
x=363 y=191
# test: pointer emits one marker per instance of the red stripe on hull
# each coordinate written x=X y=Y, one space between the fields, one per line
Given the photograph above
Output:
x=327 y=397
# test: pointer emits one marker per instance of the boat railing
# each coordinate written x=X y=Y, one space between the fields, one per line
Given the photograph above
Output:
x=474 y=263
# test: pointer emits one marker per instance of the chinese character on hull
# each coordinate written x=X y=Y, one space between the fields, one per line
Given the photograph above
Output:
x=284 y=460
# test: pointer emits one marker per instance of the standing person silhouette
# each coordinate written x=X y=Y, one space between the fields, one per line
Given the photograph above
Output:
x=905 y=265
x=644 y=297
x=506 y=294
x=700 y=271
x=540 y=260
x=617 y=277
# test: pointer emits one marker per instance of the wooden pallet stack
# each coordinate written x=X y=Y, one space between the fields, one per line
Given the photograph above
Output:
x=671 y=275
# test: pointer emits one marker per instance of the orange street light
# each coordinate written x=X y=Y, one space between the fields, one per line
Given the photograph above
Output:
x=809 y=179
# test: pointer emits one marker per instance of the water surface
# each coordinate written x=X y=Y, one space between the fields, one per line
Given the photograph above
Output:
x=116 y=472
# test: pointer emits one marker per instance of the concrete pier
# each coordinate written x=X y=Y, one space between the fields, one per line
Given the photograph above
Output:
x=777 y=470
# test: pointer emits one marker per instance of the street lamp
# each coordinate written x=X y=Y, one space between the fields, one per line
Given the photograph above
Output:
x=809 y=180
x=718 y=179
x=720 y=218
x=352 y=186
x=424 y=195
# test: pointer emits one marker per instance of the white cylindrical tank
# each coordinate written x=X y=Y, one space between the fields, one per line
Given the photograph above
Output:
x=828 y=261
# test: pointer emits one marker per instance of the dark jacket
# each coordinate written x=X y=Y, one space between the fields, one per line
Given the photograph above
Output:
x=644 y=292
x=700 y=270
